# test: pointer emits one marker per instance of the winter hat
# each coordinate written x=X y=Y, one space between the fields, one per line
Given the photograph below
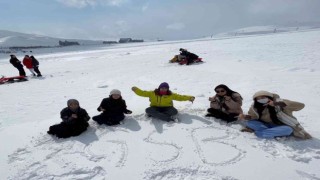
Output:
x=115 y=91
x=72 y=101
x=262 y=93
x=164 y=85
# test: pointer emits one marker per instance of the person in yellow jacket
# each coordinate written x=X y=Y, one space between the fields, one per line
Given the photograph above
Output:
x=161 y=105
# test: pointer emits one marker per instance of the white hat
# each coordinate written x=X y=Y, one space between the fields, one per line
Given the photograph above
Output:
x=115 y=91
x=262 y=93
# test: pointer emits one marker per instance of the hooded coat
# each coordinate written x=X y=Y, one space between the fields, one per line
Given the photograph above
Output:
x=233 y=104
x=70 y=126
x=15 y=62
x=113 y=107
x=288 y=108
x=27 y=61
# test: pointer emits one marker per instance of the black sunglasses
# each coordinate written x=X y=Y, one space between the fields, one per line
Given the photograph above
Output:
x=220 y=91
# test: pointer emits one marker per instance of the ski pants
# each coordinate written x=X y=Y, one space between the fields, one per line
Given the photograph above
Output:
x=64 y=130
x=21 y=70
x=221 y=115
x=162 y=113
x=36 y=69
x=108 y=119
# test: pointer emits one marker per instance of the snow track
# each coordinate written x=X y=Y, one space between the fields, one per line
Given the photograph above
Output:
x=186 y=173
x=175 y=148
x=217 y=142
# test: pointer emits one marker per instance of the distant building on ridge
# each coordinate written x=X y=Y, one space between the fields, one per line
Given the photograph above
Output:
x=68 y=43
x=129 y=40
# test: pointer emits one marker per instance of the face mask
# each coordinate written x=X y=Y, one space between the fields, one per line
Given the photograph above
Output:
x=162 y=92
x=263 y=101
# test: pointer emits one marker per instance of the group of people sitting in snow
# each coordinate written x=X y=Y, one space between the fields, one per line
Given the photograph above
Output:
x=30 y=62
x=185 y=57
x=268 y=117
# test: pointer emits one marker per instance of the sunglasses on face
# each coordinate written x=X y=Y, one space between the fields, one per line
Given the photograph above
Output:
x=221 y=91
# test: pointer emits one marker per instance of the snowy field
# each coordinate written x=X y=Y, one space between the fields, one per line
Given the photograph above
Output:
x=196 y=148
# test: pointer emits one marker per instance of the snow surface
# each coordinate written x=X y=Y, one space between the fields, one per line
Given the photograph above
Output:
x=144 y=148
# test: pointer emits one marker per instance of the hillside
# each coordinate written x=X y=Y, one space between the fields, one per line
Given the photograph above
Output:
x=12 y=39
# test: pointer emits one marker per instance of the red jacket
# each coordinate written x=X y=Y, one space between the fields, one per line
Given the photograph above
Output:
x=27 y=62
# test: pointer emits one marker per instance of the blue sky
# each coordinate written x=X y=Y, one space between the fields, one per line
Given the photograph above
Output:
x=149 y=19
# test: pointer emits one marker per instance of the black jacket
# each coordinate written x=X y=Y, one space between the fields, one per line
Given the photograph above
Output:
x=113 y=106
x=82 y=114
x=15 y=62
x=189 y=55
x=35 y=62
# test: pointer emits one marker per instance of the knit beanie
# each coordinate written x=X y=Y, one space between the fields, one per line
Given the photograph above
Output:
x=115 y=91
x=164 y=85
x=70 y=101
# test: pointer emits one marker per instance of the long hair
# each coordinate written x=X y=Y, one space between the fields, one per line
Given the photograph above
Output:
x=228 y=90
x=272 y=111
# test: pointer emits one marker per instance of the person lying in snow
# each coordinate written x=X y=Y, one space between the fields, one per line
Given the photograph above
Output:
x=74 y=121
x=269 y=117
x=225 y=105
x=113 y=109
x=178 y=58
x=161 y=106
x=185 y=57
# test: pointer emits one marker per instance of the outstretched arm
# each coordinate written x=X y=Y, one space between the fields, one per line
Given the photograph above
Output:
x=140 y=92
x=103 y=105
x=179 y=97
x=124 y=108
x=292 y=105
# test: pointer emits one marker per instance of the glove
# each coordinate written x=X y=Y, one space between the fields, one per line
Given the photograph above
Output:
x=227 y=98
x=280 y=104
x=127 y=111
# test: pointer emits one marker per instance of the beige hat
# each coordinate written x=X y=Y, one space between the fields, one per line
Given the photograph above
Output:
x=115 y=91
x=262 y=93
